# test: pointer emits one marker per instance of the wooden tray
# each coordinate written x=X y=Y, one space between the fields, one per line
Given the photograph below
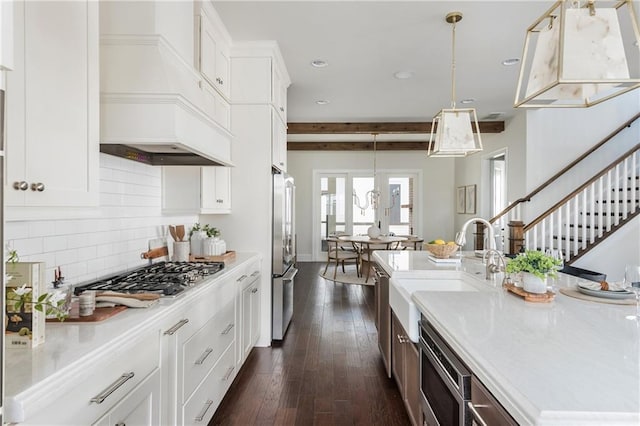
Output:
x=228 y=257
x=99 y=314
x=530 y=297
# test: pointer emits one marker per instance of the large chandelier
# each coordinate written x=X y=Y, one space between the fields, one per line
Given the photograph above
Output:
x=372 y=197
x=575 y=56
x=454 y=131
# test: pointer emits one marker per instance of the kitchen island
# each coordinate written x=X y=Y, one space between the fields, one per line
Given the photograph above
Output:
x=156 y=363
x=568 y=362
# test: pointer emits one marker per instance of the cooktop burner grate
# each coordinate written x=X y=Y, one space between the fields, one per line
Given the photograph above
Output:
x=165 y=278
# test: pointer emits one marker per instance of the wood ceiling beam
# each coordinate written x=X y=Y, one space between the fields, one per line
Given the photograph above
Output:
x=358 y=146
x=391 y=127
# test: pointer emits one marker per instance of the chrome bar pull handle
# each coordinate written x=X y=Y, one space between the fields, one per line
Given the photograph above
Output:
x=242 y=278
x=204 y=356
x=207 y=405
x=176 y=327
x=476 y=415
x=228 y=329
x=98 y=399
x=228 y=374
x=255 y=273
x=255 y=290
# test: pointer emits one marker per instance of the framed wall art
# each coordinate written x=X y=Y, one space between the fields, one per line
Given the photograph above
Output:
x=470 y=199
x=460 y=200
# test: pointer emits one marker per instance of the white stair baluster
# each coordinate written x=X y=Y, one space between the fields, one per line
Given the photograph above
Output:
x=592 y=211
x=602 y=197
x=625 y=188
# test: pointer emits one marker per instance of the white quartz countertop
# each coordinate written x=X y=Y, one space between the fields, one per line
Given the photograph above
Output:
x=413 y=264
x=568 y=362
x=68 y=345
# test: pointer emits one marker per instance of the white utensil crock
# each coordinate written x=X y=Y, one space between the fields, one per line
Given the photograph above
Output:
x=181 y=251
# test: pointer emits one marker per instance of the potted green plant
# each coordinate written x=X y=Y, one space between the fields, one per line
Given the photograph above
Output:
x=535 y=267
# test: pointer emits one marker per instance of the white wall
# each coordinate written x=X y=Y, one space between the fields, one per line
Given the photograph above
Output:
x=129 y=216
x=555 y=137
x=436 y=219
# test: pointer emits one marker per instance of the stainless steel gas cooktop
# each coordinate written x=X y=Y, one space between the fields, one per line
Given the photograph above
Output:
x=165 y=278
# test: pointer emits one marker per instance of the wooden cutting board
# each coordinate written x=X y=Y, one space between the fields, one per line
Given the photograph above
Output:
x=99 y=314
x=530 y=297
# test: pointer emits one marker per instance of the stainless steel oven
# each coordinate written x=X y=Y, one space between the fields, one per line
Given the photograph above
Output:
x=445 y=382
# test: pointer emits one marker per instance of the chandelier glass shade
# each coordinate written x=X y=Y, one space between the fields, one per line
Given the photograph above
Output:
x=454 y=131
x=577 y=55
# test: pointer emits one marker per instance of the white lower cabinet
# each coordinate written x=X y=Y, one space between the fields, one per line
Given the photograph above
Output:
x=108 y=383
x=141 y=407
x=250 y=313
x=200 y=341
x=173 y=370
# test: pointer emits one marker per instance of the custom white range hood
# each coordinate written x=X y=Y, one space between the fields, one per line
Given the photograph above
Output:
x=152 y=108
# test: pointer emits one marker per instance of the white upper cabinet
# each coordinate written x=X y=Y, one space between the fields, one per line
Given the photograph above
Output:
x=6 y=34
x=213 y=52
x=260 y=77
x=196 y=190
x=52 y=111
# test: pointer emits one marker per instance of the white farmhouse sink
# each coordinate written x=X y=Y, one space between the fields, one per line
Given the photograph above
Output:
x=401 y=289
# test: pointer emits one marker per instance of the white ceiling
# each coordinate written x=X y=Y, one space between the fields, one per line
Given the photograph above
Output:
x=366 y=42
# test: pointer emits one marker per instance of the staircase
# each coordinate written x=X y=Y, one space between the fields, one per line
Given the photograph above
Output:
x=592 y=212
x=589 y=214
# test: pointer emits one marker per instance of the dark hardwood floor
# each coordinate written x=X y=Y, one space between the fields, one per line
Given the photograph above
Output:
x=326 y=371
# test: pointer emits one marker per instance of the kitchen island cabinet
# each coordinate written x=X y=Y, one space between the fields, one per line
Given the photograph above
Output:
x=405 y=367
x=54 y=99
x=182 y=353
x=566 y=362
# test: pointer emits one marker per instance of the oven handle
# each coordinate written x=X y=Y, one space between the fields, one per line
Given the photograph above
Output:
x=475 y=414
x=442 y=372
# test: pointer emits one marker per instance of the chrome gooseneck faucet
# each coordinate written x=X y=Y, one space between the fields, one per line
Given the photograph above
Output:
x=460 y=236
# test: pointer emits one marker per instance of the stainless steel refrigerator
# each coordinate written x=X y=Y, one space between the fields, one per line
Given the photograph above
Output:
x=284 y=254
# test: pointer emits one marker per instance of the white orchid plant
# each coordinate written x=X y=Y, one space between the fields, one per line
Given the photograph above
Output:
x=51 y=304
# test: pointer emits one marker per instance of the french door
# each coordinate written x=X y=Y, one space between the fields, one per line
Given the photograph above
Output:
x=344 y=204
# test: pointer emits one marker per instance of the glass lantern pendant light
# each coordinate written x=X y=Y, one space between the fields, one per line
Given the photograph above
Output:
x=575 y=55
x=454 y=131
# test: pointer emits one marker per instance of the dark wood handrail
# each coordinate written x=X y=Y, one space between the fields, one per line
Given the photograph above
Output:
x=528 y=197
x=581 y=187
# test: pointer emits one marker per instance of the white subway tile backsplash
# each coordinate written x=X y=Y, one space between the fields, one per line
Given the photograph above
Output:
x=59 y=242
x=86 y=249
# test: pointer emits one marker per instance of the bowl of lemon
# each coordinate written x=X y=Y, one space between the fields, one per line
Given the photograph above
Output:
x=441 y=249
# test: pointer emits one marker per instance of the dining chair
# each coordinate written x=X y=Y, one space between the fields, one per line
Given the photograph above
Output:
x=365 y=255
x=339 y=252
x=412 y=242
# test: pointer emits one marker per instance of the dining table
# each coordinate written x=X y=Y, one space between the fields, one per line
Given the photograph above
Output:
x=365 y=245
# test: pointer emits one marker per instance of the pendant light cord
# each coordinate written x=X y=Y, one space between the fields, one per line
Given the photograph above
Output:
x=453 y=66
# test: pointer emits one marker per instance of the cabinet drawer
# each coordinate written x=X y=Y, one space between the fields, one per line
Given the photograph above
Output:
x=103 y=383
x=205 y=400
x=203 y=350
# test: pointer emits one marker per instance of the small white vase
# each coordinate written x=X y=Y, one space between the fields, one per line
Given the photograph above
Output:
x=196 y=242
x=373 y=231
x=533 y=284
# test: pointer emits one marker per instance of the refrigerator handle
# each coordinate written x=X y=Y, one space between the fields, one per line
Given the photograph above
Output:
x=291 y=273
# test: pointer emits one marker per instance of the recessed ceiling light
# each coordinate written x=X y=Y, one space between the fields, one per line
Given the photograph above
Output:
x=322 y=102
x=319 y=63
x=467 y=101
x=510 y=61
x=403 y=75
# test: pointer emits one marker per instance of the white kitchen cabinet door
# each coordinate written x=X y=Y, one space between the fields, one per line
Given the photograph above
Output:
x=6 y=35
x=250 y=313
x=214 y=56
x=141 y=407
x=216 y=106
x=216 y=190
x=279 y=93
x=200 y=190
x=278 y=142
x=52 y=101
